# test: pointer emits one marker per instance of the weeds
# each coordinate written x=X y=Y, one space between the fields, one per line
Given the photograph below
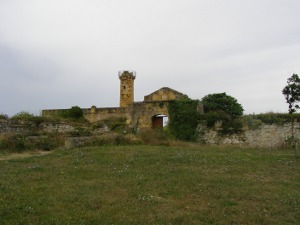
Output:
x=23 y=116
x=3 y=117
x=256 y=120
x=25 y=142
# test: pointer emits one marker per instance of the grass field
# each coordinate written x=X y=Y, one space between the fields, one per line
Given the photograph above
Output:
x=152 y=185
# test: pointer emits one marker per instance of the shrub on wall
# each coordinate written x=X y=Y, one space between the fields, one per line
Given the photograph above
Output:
x=79 y=132
x=221 y=102
x=75 y=112
x=3 y=117
x=225 y=109
x=277 y=118
x=22 y=116
x=254 y=121
x=117 y=124
x=251 y=122
x=183 y=119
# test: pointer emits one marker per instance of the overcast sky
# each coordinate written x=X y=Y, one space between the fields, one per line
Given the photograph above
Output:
x=62 y=53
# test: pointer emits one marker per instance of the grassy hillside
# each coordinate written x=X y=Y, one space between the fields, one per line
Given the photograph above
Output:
x=152 y=185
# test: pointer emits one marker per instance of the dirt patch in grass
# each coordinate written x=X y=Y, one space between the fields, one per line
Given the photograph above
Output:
x=23 y=155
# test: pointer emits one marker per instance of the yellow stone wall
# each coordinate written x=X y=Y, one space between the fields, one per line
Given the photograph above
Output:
x=140 y=113
x=95 y=114
x=126 y=88
x=163 y=94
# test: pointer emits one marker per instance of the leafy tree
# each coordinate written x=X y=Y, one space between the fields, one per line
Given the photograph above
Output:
x=225 y=108
x=292 y=93
x=224 y=103
x=292 y=96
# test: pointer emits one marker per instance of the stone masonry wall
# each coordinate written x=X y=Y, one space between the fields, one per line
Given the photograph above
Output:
x=266 y=136
x=16 y=127
x=94 y=114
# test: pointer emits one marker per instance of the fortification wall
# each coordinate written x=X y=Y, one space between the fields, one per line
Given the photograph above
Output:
x=141 y=113
x=266 y=136
x=19 y=127
x=94 y=114
x=7 y=126
x=138 y=114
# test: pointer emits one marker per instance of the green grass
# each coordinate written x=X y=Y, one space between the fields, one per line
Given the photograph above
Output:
x=152 y=185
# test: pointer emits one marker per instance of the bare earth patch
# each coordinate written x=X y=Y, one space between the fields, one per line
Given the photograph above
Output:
x=23 y=155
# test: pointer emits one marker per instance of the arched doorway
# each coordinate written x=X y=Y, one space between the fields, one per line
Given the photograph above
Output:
x=159 y=121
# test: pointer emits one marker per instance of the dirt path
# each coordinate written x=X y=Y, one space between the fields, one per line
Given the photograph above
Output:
x=23 y=155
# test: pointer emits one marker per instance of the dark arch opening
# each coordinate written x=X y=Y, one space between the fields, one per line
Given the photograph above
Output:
x=159 y=121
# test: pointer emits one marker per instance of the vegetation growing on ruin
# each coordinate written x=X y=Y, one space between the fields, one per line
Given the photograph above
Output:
x=114 y=131
x=184 y=117
x=224 y=109
x=256 y=120
x=3 y=116
x=75 y=112
x=29 y=141
x=23 y=115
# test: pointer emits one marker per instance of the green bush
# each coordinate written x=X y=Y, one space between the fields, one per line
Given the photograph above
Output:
x=22 y=142
x=23 y=116
x=214 y=116
x=222 y=102
x=117 y=124
x=276 y=118
x=223 y=108
x=16 y=143
x=75 y=112
x=183 y=119
x=231 y=127
x=51 y=141
x=3 y=117
x=251 y=122
x=255 y=121
x=79 y=132
x=98 y=124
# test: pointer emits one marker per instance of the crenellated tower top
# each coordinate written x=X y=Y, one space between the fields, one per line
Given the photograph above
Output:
x=126 y=87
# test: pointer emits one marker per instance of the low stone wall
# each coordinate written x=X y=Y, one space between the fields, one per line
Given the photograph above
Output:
x=15 y=127
x=56 y=127
x=94 y=114
x=7 y=126
x=266 y=136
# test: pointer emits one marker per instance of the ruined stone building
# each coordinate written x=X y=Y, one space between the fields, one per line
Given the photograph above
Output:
x=146 y=114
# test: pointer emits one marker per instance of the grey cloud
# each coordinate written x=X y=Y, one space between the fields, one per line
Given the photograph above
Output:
x=56 y=54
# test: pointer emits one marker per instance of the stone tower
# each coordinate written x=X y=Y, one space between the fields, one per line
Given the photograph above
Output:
x=126 y=87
